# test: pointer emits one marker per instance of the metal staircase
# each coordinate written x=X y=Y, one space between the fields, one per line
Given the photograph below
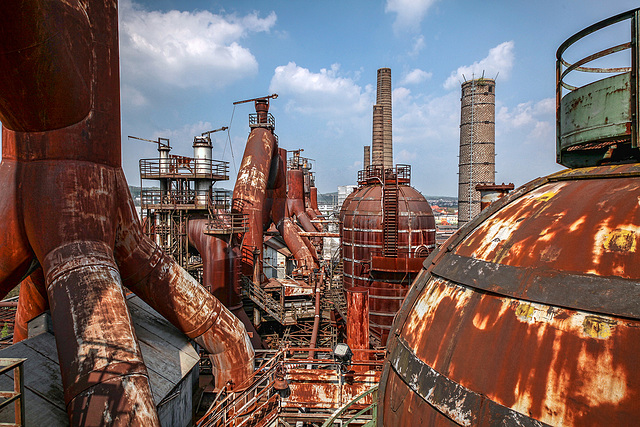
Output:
x=390 y=215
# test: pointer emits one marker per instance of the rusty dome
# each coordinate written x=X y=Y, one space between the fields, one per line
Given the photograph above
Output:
x=530 y=313
x=383 y=250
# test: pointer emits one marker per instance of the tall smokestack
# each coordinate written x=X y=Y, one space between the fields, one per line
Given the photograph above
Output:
x=383 y=99
x=477 y=145
x=377 y=142
x=367 y=156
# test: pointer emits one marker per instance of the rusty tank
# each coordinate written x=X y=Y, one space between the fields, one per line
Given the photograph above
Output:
x=387 y=229
x=529 y=314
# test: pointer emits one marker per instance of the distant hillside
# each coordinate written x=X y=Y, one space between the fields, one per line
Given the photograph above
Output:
x=135 y=191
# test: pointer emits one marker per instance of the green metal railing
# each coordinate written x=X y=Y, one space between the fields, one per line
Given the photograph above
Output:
x=593 y=118
x=372 y=409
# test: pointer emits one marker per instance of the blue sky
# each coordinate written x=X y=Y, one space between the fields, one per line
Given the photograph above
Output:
x=183 y=64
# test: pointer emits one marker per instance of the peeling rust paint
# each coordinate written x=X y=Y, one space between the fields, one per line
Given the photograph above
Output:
x=62 y=144
x=533 y=310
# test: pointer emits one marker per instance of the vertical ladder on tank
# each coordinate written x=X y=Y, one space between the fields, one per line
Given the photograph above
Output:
x=390 y=214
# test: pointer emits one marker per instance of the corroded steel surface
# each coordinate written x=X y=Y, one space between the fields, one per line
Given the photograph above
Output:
x=529 y=313
x=296 y=245
x=295 y=199
x=322 y=388
x=251 y=185
x=61 y=144
x=361 y=229
x=220 y=274
x=358 y=322
x=32 y=302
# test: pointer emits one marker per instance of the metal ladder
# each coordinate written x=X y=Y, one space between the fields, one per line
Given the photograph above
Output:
x=390 y=215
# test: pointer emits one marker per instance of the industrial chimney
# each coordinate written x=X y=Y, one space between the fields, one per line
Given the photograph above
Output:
x=477 y=145
x=377 y=142
x=367 y=156
x=383 y=99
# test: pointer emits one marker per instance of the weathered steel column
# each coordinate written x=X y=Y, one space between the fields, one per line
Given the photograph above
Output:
x=358 y=322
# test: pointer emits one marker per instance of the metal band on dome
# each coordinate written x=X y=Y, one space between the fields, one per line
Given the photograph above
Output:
x=450 y=398
x=551 y=287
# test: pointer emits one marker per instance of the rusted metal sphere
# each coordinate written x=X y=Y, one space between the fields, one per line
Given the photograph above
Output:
x=529 y=314
x=361 y=232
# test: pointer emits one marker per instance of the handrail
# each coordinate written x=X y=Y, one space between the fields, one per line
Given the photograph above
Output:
x=400 y=172
x=17 y=395
x=234 y=404
x=227 y=222
x=563 y=67
x=179 y=166
x=218 y=199
x=254 y=121
x=373 y=390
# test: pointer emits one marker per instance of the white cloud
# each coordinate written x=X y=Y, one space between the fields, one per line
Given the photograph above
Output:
x=405 y=156
x=526 y=114
x=409 y=13
x=185 y=134
x=418 y=45
x=186 y=49
x=500 y=60
x=327 y=92
x=415 y=76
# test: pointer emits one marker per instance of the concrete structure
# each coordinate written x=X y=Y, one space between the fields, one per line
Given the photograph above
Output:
x=477 y=145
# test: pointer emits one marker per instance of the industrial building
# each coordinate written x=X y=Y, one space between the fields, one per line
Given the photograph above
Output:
x=227 y=309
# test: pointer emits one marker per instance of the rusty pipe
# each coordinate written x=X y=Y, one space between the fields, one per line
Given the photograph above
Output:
x=294 y=242
x=219 y=274
x=313 y=201
x=251 y=184
x=316 y=317
x=217 y=263
x=41 y=58
x=32 y=302
x=178 y=297
x=295 y=199
x=279 y=192
x=358 y=322
x=84 y=287
x=66 y=151
x=249 y=193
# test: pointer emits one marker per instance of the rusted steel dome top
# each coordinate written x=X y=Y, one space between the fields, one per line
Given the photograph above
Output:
x=530 y=313
x=385 y=265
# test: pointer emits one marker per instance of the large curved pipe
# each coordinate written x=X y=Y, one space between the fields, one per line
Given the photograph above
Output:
x=279 y=193
x=293 y=240
x=251 y=185
x=295 y=199
x=61 y=144
x=313 y=201
x=219 y=274
x=178 y=297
